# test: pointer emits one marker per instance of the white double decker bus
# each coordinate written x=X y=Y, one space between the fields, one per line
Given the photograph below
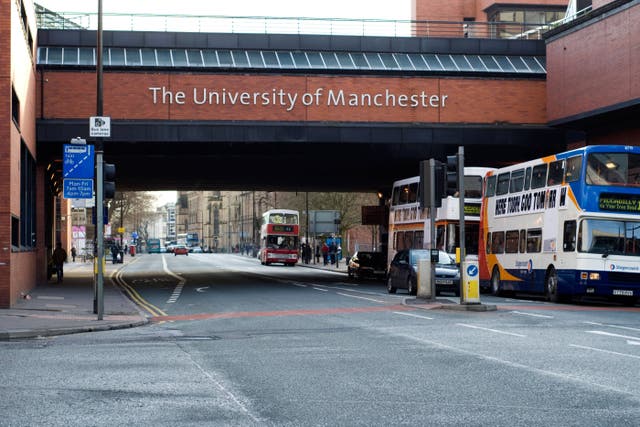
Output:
x=564 y=225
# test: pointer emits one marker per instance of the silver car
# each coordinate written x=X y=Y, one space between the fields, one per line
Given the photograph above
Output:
x=403 y=272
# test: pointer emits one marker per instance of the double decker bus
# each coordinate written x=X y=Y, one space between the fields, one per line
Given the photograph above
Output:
x=409 y=225
x=564 y=225
x=279 y=237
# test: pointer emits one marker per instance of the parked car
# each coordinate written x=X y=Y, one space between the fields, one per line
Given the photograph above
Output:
x=180 y=250
x=403 y=272
x=367 y=264
x=196 y=250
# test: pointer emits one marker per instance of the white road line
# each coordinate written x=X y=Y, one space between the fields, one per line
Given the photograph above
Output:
x=604 y=351
x=609 y=334
x=491 y=330
x=412 y=315
x=181 y=281
x=532 y=314
x=300 y=285
x=359 y=297
x=320 y=289
x=614 y=326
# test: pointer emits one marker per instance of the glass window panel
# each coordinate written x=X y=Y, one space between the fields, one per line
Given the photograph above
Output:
x=573 y=169
x=527 y=178
x=533 y=64
x=475 y=62
x=149 y=57
x=300 y=59
x=374 y=61
x=210 y=58
x=360 y=61
x=490 y=187
x=447 y=63
x=388 y=61
x=534 y=240
x=503 y=184
x=195 y=58
x=504 y=63
x=240 y=58
x=418 y=62
x=286 y=61
x=403 y=60
x=315 y=60
x=344 y=60
x=330 y=60
x=86 y=56
x=517 y=181
x=255 y=59
x=556 y=172
x=164 y=58
x=519 y=64
x=179 y=57
x=539 y=176
x=512 y=241
x=270 y=59
x=71 y=55
x=461 y=62
x=117 y=56
x=497 y=242
x=133 y=56
x=432 y=62
x=224 y=58
x=490 y=63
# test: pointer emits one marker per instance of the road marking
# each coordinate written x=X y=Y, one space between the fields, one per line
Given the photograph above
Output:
x=413 y=315
x=604 y=351
x=49 y=298
x=532 y=314
x=181 y=281
x=359 y=297
x=320 y=289
x=202 y=289
x=300 y=285
x=117 y=277
x=633 y=342
x=609 y=334
x=491 y=330
x=613 y=326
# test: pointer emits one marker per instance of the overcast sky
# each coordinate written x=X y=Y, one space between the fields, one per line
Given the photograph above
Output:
x=374 y=9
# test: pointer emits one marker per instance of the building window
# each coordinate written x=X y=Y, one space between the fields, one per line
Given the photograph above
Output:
x=15 y=107
x=15 y=232
x=27 y=222
x=512 y=20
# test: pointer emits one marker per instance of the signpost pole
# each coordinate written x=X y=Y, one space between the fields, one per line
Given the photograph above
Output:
x=99 y=179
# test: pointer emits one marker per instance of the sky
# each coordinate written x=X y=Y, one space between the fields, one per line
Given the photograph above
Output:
x=369 y=9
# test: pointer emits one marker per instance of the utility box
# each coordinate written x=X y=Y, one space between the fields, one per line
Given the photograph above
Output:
x=470 y=280
x=424 y=279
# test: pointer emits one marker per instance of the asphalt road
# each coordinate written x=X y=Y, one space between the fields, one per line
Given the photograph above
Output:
x=236 y=343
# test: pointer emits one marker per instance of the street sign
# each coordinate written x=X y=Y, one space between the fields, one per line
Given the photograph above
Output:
x=100 y=126
x=77 y=161
x=77 y=188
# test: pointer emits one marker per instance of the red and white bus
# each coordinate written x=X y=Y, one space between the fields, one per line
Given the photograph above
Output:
x=279 y=237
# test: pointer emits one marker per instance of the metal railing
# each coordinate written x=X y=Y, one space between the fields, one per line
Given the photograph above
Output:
x=286 y=25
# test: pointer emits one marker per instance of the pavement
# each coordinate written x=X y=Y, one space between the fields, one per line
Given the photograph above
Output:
x=53 y=308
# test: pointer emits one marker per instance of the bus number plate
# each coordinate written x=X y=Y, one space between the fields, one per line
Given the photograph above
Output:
x=626 y=293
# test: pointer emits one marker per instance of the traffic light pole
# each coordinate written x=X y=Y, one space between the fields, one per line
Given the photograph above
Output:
x=463 y=249
x=99 y=309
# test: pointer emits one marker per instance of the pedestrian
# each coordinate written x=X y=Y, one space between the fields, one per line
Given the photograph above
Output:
x=73 y=253
x=318 y=253
x=325 y=253
x=332 y=252
x=59 y=257
x=306 y=253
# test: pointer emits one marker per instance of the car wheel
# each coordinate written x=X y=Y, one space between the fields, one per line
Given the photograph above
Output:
x=390 y=288
x=551 y=286
x=411 y=288
x=495 y=282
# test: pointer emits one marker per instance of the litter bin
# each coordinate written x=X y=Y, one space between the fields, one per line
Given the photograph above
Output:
x=132 y=250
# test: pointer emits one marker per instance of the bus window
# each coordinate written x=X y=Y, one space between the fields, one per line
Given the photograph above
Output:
x=488 y=248
x=503 y=184
x=556 y=172
x=497 y=242
x=418 y=237
x=523 y=241
x=511 y=244
x=517 y=181
x=534 y=240
x=573 y=169
x=527 y=178
x=473 y=186
x=412 y=195
x=440 y=236
x=539 y=176
x=490 y=189
x=569 y=236
x=395 y=198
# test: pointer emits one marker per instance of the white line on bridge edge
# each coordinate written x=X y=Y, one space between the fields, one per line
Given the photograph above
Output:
x=604 y=351
x=491 y=330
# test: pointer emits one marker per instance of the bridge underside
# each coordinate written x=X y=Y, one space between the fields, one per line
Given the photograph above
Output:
x=285 y=156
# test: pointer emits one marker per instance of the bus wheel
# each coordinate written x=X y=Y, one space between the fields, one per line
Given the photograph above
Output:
x=411 y=288
x=495 y=282
x=551 y=285
x=390 y=288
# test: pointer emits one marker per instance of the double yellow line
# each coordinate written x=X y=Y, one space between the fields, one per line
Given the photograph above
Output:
x=116 y=277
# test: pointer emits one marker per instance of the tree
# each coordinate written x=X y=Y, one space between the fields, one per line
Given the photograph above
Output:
x=134 y=211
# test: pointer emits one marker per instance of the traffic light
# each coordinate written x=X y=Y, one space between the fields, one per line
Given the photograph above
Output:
x=109 y=175
x=452 y=175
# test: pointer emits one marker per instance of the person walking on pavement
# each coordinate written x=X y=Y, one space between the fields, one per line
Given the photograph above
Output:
x=59 y=257
x=325 y=252
x=73 y=253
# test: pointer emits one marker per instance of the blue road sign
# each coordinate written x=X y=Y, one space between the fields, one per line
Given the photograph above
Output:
x=77 y=188
x=78 y=161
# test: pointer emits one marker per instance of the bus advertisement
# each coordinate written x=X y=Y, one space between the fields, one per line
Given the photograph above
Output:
x=566 y=225
x=279 y=237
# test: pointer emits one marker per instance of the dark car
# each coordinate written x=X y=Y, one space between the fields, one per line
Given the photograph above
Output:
x=367 y=264
x=403 y=272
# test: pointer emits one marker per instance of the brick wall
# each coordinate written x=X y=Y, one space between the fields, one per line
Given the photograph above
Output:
x=127 y=95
